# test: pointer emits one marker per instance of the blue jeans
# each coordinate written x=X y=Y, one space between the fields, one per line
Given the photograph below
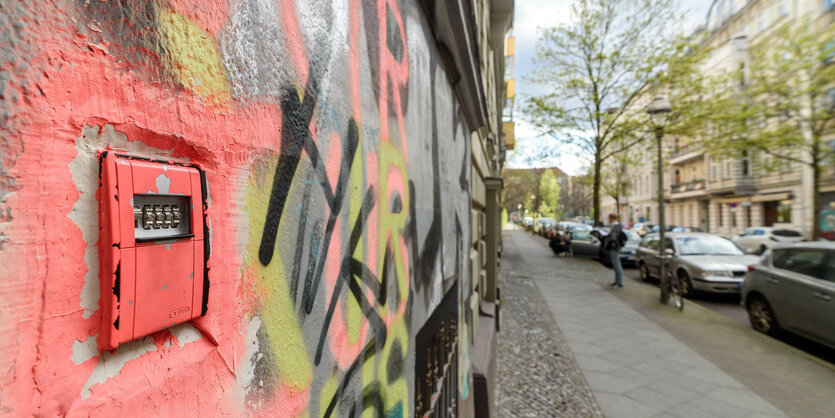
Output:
x=614 y=256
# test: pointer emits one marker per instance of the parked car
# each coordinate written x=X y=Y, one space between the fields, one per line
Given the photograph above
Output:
x=642 y=228
x=703 y=262
x=757 y=240
x=792 y=288
x=627 y=252
x=580 y=227
x=540 y=225
x=686 y=229
x=667 y=228
x=585 y=243
x=527 y=222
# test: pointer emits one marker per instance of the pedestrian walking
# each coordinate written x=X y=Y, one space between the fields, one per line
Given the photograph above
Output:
x=613 y=243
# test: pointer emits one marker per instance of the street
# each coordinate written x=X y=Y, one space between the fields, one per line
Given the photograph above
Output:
x=640 y=358
x=730 y=307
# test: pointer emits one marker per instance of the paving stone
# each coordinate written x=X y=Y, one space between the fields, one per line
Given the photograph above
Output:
x=595 y=363
x=537 y=373
x=605 y=382
x=605 y=357
x=650 y=397
x=617 y=406
x=743 y=397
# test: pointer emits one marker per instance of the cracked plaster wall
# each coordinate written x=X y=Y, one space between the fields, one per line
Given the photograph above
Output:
x=336 y=158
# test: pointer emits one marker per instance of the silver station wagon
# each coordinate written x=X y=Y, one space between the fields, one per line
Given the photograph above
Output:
x=703 y=262
x=792 y=288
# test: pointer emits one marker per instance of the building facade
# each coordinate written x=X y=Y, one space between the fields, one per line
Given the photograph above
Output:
x=726 y=196
x=350 y=154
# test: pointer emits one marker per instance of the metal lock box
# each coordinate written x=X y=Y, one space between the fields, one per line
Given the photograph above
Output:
x=153 y=253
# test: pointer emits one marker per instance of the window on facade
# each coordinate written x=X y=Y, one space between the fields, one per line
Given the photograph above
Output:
x=761 y=24
x=713 y=172
x=733 y=216
x=784 y=10
x=786 y=165
x=742 y=73
x=745 y=164
x=828 y=4
x=728 y=169
x=721 y=216
x=784 y=212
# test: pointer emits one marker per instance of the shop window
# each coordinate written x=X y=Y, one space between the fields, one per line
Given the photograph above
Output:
x=784 y=212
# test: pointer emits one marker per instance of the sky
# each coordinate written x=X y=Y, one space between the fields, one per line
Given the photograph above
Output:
x=529 y=17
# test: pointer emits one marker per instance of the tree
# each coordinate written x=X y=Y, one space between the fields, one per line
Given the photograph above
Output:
x=519 y=185
x=550 y=191
x=603 y=59
x=615 y=181
x=784 y=105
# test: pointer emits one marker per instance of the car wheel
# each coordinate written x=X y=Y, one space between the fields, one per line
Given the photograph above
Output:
x=644 y=271
x=686 y=284
x=761 y=316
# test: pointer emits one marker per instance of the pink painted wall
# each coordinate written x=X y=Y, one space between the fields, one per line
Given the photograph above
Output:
x=338 y=171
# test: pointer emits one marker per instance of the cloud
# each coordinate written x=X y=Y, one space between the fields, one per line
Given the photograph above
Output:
x=534 y=150
x=530 y=17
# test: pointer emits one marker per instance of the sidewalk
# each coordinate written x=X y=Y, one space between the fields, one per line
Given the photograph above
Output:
x=633 y=367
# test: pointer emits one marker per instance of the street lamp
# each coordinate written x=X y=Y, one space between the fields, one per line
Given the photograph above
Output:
x=658 y=110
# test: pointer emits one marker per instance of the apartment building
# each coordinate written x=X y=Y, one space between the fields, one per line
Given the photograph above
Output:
x=729 y=195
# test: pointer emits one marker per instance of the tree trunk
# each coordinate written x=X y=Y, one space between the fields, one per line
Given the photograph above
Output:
x=617 y=205
x=596 y=189
x=816 y=197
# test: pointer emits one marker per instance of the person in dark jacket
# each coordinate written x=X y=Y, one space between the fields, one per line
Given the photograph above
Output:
x=614 y=242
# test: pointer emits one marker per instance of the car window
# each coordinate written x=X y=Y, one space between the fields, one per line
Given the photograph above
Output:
x=758 y=232
x=631 y=236
x=807 y=262
x=707 y=245
x=786 y=233
x=650 y=243
x=668 y=244
x=580 y=236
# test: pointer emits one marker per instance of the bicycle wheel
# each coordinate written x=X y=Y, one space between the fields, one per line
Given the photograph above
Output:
x=675 y=292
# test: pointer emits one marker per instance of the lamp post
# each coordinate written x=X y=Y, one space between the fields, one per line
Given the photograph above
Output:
x=658 y=110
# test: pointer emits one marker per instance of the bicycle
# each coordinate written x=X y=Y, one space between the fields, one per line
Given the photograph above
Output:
x=674 y=287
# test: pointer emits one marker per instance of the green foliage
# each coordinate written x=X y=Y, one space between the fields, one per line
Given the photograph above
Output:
x=783 y=104
x=519 y=185
x=593 y=72
x=550 y=190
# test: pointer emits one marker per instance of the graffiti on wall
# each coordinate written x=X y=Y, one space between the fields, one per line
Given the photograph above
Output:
x=345 y=197
x=339 y=172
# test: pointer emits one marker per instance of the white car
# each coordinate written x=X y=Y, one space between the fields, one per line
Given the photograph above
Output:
x=757 y=240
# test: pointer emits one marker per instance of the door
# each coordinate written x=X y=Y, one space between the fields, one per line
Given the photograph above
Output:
x=799 y=292
x=656 y=267
x=826 y=301
x=704 y=215
x=584 y=244
x=751 y=239
x=769 y=213
x=647 y=252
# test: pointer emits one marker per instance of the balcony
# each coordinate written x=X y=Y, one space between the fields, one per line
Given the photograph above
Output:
x=690 y=189
x=738 y=185
x=684 y=154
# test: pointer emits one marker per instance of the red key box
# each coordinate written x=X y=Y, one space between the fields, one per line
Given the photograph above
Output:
x=153 y=255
